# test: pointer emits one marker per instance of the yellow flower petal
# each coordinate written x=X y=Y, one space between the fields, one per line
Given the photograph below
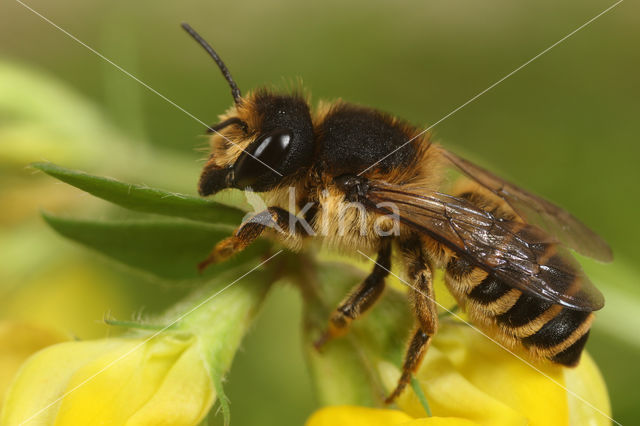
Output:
x=467 y=375
x=587 y=382
x=347 y=415
x=450 y=394
x=114 y=381
x=440 y=421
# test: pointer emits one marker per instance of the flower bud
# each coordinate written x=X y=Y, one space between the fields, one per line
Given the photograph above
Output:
x=134 y=381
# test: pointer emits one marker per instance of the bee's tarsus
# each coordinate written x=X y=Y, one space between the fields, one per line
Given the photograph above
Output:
x=415 y=354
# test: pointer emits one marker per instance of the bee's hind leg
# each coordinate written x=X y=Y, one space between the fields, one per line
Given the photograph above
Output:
x=422 y=298
x=360 y=299
x=273 y=217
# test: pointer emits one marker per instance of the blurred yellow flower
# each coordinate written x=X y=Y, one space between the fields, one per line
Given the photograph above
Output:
x=468 y=379
x=18 y=341
x=120 y=381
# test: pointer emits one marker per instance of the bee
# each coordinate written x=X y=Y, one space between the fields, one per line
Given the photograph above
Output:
x=504 y=251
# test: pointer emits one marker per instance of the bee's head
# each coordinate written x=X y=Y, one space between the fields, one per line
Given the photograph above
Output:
x=262 y=141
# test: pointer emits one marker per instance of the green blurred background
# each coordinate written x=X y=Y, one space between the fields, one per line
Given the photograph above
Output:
x=565 y=127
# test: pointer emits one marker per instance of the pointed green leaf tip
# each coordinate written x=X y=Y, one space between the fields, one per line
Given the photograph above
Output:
x=166 y=248
x=144 y=199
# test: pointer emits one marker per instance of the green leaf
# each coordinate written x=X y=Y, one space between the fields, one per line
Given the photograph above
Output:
x=169 y=249
x=144 y=199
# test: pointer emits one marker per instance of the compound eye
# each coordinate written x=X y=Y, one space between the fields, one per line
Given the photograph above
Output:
x=267 y=155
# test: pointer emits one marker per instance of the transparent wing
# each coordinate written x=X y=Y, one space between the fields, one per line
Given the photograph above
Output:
x=538 y=211
x=521 y=255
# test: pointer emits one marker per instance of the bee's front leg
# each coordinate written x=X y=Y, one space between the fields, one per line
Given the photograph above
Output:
x=273 y=217
x=360 y=299
x=422 y=298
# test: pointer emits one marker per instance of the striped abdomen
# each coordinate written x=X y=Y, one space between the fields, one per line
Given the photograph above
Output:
x=544 y=329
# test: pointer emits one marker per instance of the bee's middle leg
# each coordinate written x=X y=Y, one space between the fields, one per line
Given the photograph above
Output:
x=422 y=298
x=360 y=299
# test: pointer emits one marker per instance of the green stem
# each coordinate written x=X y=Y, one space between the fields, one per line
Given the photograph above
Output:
x=421 y=396
x=136 y=325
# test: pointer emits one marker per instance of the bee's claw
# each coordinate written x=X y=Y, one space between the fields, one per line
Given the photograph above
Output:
x=205 y=264
x=201 y=267
x=322 y=340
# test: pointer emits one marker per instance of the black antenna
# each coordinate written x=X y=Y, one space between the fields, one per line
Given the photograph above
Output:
x=235 y=92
